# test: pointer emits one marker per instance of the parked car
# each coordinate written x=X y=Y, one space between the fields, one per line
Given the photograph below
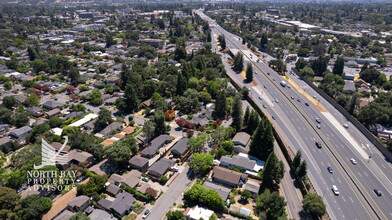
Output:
x=146 y=214
x=145 y=179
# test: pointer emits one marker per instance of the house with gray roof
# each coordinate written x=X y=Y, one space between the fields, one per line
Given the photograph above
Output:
x=139 y=163
x=122 y=205
x=160 y=167
x=5 y=142
x=131 y=178
x=20 y=134
x=113 y=189
x=115 y=126
x=180 y=147
x=73 y=115
x=79 y=203
x=238 y=161
x=98 y=214
x=221 y=190
x=53 y=113
x=76 y=156
x=4 y=128
x=241 y=142
x=35 y=111
x=228 y=177
x=252 y=187
x=51 y=104
x=155 y=144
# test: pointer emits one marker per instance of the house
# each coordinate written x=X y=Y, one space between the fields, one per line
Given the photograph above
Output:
x=169 y=115
x=155 y=144
x=115 y=126
x=79 y=203
x=228 y=177
x=20 y=134
x=241 y=142
x=126 y=131
x=139 y=163
x=221 y=190
x=57 y=146
x=252 y=187
x=40 y=121
x=122 y=205
x=239 y=209
x=76 y=156
x=53 y=113
x=131 y=178
x=73 y=115
x=104 y=167
x=113 y=189
x=180 y=147
x=20 y=99
x=160 y=167
x=197 y=213
x=90 y=125
x=98 y=214
x=107 y=142
x=35 y=111
x=147 y=103
x=5 y=142
x=51 y=104
x=4 y=128
x=66 y=214
x=238 y=161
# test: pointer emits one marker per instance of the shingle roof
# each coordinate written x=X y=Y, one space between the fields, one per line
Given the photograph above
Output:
x=138 y=161
x=113 y=189
x=227 y=175
x=155 y=144
x=180 y=147
x=20 y=131
x=162 y=166
x=239 y=161
x=99 y=214
x=252 y=187
x=123 y=202
x=241 y=138
x=78 y=201
x=222 y=191
x=113 y=126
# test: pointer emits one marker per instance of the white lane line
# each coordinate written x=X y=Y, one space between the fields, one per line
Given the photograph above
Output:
x=383 y=165
x=365 y=174
x=322 y=163
x=351 y=200
x=343 y=199
x=331 y=178
x=359 y=174
x=339 y=180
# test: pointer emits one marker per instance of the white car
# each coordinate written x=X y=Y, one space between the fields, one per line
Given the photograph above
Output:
x=335 y=190
x=345 y=125
x=353 y=161
x=146 y=213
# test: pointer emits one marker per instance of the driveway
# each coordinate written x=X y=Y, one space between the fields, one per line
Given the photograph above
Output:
x=158 y=211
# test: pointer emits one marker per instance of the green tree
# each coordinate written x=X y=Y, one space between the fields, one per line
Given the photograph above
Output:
x=120 y=152
x=314 y=205
x=28 y=84
x=300 y=64
x=238 y=62
x=236 y=113
x=262 y=143
x=222 y=41
x=180 y=53
x=272 y=204
x=263 y=40
x=200 y=194
x=297 y=160
x=245 y=195
x=79 y=216
x=95 y=97
x=272 y=172
x=34 y=207
x=104 y=119
x=175 y=215
x=189 y=102
x=131 y=99
x=20 y=119
x=8 y=85
x=55 y=122
x=307 y=72
x=319 y=66
x=109 y=41
x=9 y=101
x=181 y=83
x=302 y=170
x=338 y=66
x=220 y=104
x=33 y=99
x=74 y=75
x=201 y=162
x=196 y=143
x=149 y=129
x=159 y=121
x=96 y=184
x=249 y=73
x=253 y=122
x=246 y=115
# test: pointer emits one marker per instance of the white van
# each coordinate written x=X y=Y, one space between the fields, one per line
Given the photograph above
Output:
x=335 y=190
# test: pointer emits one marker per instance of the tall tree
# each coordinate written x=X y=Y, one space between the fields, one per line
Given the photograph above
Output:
x=74 y=75
x=149 y=129
x=253 y=122
x=222 y=41
x=338 y=66
x=272 y=204
x=159 y=121
x=220 y=104
x=201 y=162
x=124 y=75
x=131 y=99
x=319 y=66
x=238 y=62
x=104 y=119
x=262 y=143
x=236 y=113
x=249 y=73
x=272 y=172
x=302 y=170
x=181 y=83
x=297 y=160
x=314 y=205
x=246 y=115
x=263 y=40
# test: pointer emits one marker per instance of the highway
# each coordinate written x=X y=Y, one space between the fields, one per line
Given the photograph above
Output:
x=297 y=122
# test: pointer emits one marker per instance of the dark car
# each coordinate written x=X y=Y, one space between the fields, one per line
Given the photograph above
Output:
x=330 y=170
x=318 y=144
x=273 y=117
x=306 y=103
x=318 y=120
x=378 y=192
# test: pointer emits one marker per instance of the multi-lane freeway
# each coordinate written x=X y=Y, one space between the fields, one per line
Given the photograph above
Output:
x=297 y=122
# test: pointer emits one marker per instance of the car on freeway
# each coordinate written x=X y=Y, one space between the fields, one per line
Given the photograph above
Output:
x=318 y=126
x=318 y=120
x=288 y=86
x=307 y=103
x=146 y=214
x=276 y=100
x=273 y=79
x=378 y=192
x=330 y=170
x=314 y=97
x=353 y=161
x=260 y=98
x=264 y=106
x=292 y=97
x=265 y=87
x=345 y=125
x=335 y=190
x=273 y=117
x=299 y=100
x=268 y=73
x=318 y=144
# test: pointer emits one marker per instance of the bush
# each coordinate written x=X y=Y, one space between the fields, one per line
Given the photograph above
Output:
x=163 y=180
x=238 y=215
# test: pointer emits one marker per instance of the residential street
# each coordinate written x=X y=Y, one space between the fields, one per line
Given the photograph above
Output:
x=171 y=195
x=290 y=190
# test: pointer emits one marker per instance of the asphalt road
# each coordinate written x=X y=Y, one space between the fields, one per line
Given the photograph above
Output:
x=175 y=190
x=297 y=122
